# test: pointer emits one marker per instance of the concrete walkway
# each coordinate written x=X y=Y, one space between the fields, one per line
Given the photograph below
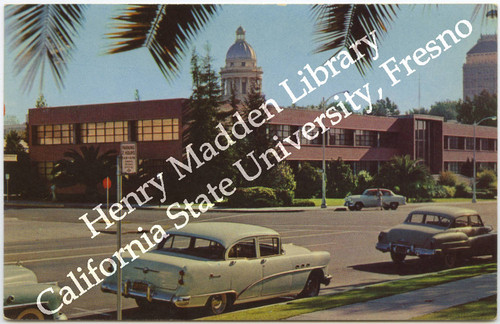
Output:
x=411 y=304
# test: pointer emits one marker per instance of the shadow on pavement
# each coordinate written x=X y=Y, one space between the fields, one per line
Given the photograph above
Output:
x=164 y=314
x=413 y=266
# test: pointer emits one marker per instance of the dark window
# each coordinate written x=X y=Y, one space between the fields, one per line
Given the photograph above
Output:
x=269 y=246
x=339 y=136
x=366 y=138
x=243 y=249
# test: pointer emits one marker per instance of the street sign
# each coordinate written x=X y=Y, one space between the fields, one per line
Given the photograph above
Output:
x=10 y=157
x=106 y=183
x=128 y=152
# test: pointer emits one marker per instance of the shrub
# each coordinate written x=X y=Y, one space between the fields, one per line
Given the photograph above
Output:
x=447 y=178
x=486 y=194
x=308 y=181
x=462 y=190
x=303 y=203
x=486 y=179
x=450 y=191
x=364 y=180
x=253 y=197
x=285 y=197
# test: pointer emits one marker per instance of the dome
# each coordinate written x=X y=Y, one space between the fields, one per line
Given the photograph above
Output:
x=240 y=50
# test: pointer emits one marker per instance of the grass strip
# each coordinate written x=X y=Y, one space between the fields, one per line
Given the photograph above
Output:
x=308 y=305
x=482 y=310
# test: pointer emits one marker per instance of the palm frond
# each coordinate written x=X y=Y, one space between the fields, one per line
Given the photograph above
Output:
x=40 y=34
x=489 y=10
x=165 y=30
x=340 y=25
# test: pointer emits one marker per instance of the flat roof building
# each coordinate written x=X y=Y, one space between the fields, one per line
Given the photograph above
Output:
x=157 y=126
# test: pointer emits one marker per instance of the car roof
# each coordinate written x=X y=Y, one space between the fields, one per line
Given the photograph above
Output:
x=445 y=211
x=225 y=233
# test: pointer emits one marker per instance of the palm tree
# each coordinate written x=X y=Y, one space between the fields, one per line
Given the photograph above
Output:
x=44 y=34
x=403 y=173
x=87 y=168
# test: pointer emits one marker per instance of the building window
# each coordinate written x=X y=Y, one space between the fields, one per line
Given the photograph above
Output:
x=456 y=143
x=282 y=131
x=158 y=129
x=469 y=143
x=453 y=167
x=366 y=138
x=45 y=169
x=104 y=132
x=339 y=136
x=242 y=63
x=54 y=134
x=244 y=87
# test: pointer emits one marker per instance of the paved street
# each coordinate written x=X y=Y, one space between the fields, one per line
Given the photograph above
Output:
x=53 y=242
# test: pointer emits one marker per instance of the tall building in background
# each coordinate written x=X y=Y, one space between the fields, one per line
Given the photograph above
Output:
x=480 y=68
x=241 y=70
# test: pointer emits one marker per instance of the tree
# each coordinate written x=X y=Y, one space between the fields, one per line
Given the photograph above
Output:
x=24 y=178
x=384 y=107
x=417 y=111
x=86 y=167
x=404 y=175
x=308 y=181
x=44 y=34
x=340 y=179
x=364 y=180
x=41 y=102
x=482 y=106
x=446 y=109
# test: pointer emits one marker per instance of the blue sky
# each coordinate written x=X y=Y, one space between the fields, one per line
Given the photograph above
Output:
x=283 y=39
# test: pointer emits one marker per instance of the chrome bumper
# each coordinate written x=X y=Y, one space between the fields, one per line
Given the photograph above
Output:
x=405 y=249
x=150 y=294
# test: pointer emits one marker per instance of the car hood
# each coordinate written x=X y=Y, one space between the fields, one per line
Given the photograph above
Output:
x=412 y=234
x=353 y=197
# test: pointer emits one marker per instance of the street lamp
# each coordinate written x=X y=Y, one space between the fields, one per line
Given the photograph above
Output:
x=474 y=157
x=323 y=180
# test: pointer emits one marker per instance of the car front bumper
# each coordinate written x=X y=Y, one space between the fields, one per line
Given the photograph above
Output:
x=405 y=249
x=150 y=294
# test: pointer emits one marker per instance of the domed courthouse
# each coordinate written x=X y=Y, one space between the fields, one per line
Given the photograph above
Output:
x=241 y=72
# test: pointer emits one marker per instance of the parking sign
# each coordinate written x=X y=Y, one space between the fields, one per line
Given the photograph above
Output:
x=128 y=152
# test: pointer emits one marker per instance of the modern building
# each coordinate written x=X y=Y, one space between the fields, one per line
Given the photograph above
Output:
x=157 y=126
x=480 y=68
x=241 y=71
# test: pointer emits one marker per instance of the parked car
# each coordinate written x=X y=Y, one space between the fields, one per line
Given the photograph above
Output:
x=20 y=293
x=217 y=264
x=370 y=198
x=447 y=233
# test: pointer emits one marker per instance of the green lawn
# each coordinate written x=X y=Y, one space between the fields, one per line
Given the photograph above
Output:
x=308 y=305
x=482 y=310
x=329 y=201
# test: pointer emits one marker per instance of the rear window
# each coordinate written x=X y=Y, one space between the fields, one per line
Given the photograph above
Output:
x=194 y=246
x=428 y=219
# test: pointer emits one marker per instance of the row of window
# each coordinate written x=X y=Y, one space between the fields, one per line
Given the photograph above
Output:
x=166 y=129
x=467 y=143
x=459 y=167
x=336 y=136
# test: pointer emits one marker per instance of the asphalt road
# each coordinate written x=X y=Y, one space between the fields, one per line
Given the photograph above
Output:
x=52 y=242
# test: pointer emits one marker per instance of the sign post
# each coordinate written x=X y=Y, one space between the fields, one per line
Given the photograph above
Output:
x=126 y=163
x=7 y=177
x=106 y=183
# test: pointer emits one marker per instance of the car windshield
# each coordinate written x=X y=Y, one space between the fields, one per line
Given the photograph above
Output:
x=192 y=245
x=428 y=219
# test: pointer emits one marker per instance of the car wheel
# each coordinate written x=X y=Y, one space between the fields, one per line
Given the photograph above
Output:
x=358 y=205
x=311 y=288
x=30 y=314
x=351 y=208
x=450 y=259
x=386 y=207
x=217 y=304
x=397 y=258
x=146 y=306
x=394 y=205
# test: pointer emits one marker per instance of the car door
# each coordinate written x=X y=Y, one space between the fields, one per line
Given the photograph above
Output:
x=277 y=278
x=245 y=268
x=370 y=198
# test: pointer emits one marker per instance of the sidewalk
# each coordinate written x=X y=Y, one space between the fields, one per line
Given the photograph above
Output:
x=412 y=304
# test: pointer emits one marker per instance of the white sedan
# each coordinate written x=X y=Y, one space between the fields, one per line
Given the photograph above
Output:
x=370 y=198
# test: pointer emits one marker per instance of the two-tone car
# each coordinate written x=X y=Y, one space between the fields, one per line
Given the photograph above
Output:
x=217 y=264
x=21 y=291
x=447 y=233
x=373 y=197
